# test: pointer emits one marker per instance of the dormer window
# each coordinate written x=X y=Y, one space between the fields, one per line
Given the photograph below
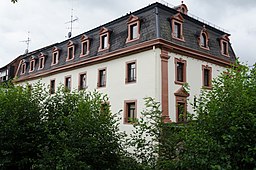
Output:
x=71 y=51
x=32 y=65
x=133 y=28
x=224 y=45
x=104 y=39
x=55 y=56
x=177 y=28
x=23 y=67
x=84 y=46
x=41 y=61
x=204 y=39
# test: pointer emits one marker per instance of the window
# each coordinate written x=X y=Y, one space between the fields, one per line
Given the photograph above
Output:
x=130 y=110
x=82 y=81
x=203 y=39
x=84 y=46
x=181 y=104
x=41 y=63
x=207 y=76
x=133 y=28
x=180 y=71
x=104 y=39
x=102 y=78
x=55 y=56
x=181 y=112
x=32 y=65
x=224 y=43
x=68 y=83
x=177 y=28
x=225 y=47
x=130 y=72
x=23 y=67
x=71 y=51
x=52 y=86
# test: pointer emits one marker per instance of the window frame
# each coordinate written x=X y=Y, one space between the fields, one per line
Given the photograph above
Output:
x=52 y=89
x=184 y=74
x=224 y=40
x=66 y=82
x=104 y=32
x=126 y=112
x=80 y=80
x=70 y=46
x=32 y=65
x=85 y=40
x=23 y=67
x=204 y=68
x=181 y=96
x=127 y=80
x=177 y=19
x=205 y=44
x=132 y=21
x=41 y=61
x=99 y=85
x=55 y=53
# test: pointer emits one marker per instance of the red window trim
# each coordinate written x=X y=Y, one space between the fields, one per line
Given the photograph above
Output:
x=69 y=46
x=125 y=118
x=65 y=84
x=176 y=60
x=79 y=80
x=104 y=31
x=224 y=39
x=85 y=39
x=127 y=72
x=41 y=59
x=133 y=20
x=206 y=67
x=55 y=50
x=205 y=32
x=177 y=19
x=32 y=68
x=98 y=83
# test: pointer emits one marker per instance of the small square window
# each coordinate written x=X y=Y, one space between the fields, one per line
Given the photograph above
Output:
x=102 y=78
x=130 y=114
x=82 y=81
x=52 y=86
x=68 y=83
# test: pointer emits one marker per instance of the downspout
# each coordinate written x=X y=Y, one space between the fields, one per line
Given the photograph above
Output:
x=157 y=23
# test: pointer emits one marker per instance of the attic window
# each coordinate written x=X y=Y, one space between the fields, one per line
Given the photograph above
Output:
x=55 y=56
x=104 y=39
x=204 y=39
x=177 y=27
x=41 y=61
x=32 y=65
x=23 y=67
x=224 y=45
x=71 y=51
x=182 y=8
x=133 y=29
x=84 y=46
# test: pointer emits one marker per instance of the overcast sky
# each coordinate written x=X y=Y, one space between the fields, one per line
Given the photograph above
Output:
x=45 y=20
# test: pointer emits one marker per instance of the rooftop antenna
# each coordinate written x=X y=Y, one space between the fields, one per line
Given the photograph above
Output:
x=27 y=42
x=72 y=20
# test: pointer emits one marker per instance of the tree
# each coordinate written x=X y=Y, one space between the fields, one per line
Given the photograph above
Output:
x=67 y=130
x=14 y=1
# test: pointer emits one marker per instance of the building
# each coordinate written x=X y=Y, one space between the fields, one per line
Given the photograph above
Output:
x=151 y=52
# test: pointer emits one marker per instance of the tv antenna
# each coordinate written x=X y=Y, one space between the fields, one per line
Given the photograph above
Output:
x=27 y=42
x=72 y=20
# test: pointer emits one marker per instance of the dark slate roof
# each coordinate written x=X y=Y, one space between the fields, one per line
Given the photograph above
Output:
x=119 y=33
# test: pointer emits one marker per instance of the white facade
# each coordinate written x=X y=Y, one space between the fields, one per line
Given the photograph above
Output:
x=148 y=80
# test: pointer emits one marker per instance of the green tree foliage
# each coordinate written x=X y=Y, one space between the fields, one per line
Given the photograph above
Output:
x=61 y=131
x=222 y=135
